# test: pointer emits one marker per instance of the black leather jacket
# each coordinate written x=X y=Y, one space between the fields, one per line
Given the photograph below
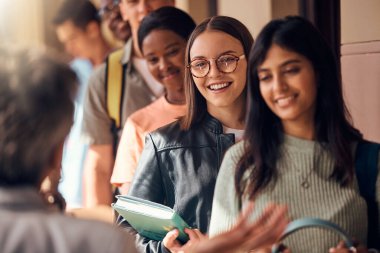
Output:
x=179 y=169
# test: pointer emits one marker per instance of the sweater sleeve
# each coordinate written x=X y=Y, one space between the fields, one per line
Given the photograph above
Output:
x=225 y=206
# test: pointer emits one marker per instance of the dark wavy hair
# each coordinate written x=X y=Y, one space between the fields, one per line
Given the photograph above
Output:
x=36 y=113
x=264 y=132
x=197 y=107
x=166 y=18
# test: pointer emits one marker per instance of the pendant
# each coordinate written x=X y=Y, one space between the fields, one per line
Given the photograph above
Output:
x=305 y=184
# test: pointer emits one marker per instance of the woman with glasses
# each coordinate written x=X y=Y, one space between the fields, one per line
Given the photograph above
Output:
x=180 y=162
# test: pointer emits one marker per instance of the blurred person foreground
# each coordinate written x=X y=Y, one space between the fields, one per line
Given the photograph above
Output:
x=36 y=111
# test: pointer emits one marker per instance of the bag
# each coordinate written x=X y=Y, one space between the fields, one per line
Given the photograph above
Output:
x=366 y=161
x=311 y=222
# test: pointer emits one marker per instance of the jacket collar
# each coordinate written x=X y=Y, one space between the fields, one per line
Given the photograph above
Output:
x=21 y=198
x=212 y=124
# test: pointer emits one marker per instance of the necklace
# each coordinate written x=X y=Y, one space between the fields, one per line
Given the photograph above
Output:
x=305 y=183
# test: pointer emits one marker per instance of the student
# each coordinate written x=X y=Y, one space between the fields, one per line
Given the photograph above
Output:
x=77 y=25
x=99 y=127
x=299 y=143
x=162 y=38
x=36 y=113
x=78 y=28
x=180 y=162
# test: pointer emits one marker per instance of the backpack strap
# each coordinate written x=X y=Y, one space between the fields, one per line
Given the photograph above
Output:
x=115 y=82
x=366 y=161
x=114 y=86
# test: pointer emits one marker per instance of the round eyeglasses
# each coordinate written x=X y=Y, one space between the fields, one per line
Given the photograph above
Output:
x=106 y=11
x=226 y=63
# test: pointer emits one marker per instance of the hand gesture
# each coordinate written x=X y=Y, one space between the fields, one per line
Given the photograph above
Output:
x=173 y=245
x=244 y=236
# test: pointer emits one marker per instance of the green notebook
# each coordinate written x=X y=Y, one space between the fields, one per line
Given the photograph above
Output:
x=150 y=219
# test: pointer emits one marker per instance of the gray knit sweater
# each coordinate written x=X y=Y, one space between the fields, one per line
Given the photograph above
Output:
x=324 y=198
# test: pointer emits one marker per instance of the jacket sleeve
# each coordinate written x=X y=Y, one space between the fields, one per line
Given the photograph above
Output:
x=148 y=184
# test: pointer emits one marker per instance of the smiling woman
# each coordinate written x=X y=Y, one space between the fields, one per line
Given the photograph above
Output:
x=288 y=86
x=223 y=83
x=162 y=39
x=299 y=146
x=166 y=62
x=180 y=161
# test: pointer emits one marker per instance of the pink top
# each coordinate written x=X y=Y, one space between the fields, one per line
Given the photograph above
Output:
x=137 y=126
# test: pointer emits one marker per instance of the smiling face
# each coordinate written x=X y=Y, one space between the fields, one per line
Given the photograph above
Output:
x=164 y=51
x=220 y=89
x=288 y=86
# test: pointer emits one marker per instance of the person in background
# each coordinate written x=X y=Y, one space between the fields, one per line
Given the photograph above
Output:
x=110 y=14
x=77 y=25
x=78 y=28
x=36 y=112
x=162 y=39
x=180 y=162
x=299 y=143
x=140 y=89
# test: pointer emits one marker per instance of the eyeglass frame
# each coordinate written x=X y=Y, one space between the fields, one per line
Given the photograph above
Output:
x=106 y=10
x=237 y=59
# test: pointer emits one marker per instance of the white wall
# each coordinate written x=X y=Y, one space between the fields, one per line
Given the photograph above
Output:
x=253 y=13
x=21 y=22
x=257 y=13
x=360 y=21
x=360 y=38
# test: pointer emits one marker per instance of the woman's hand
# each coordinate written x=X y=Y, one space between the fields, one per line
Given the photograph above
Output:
x=341 y=248
x=173 y=245
x=265 y=231
x=244 y=236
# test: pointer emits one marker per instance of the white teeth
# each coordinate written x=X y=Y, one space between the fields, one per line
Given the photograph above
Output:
x=218 y=86
x=284 y=101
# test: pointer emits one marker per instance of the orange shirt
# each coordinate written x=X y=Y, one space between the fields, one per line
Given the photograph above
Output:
x=137 y=126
